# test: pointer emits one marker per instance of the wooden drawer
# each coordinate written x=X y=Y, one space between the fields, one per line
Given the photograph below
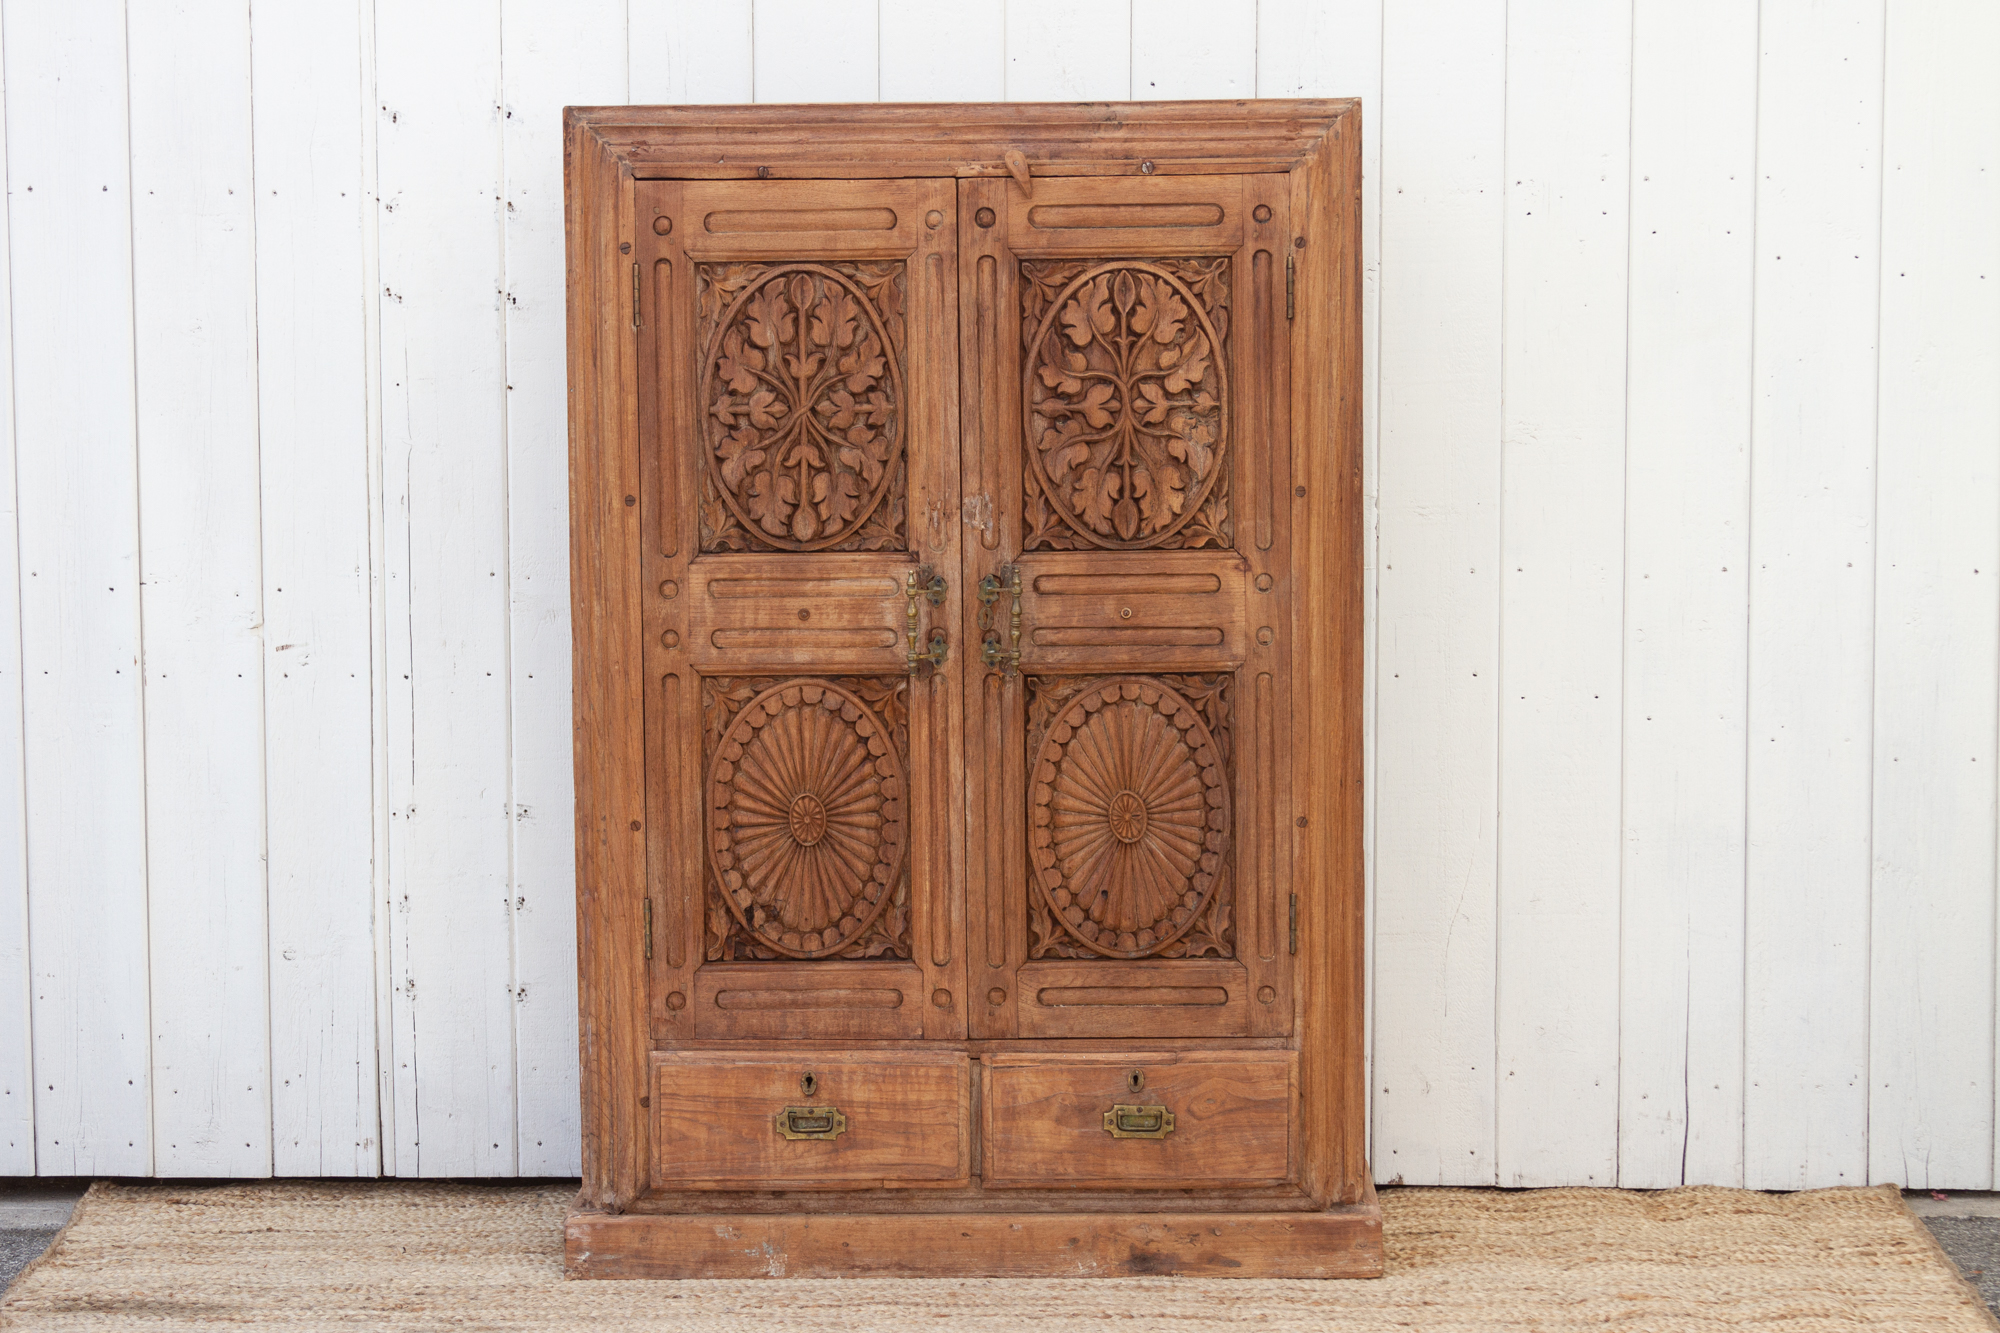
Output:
x=724 y=1119
x=1049 y=1121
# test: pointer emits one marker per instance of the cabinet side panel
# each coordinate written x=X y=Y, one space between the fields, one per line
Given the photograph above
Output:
x=1326 y=509
x=604 y=562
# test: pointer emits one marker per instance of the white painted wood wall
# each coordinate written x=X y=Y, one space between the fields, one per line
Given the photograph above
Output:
x=1684 y=470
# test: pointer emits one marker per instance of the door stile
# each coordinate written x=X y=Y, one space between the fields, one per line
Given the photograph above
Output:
x=937 y=713
x=1266 y=702
x=673 y=688
x=989 y=362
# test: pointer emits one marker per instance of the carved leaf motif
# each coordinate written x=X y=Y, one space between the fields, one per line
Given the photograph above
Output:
x=837 y=496
x=771 y=497
x=1192 y=442
x=803 y=382
x=738 y=365
x=1064 y=379
x=1126 y=403
x=769 y=318
x=834 y=320
x=1097 y=496
x=1159 y=312
x=863 y=366
x=738 y=453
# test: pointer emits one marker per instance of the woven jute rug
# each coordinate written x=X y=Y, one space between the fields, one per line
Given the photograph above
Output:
x=407 y=1256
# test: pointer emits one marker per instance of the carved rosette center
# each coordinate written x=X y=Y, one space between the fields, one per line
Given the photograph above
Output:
x=1128 y=817
x=806 y=818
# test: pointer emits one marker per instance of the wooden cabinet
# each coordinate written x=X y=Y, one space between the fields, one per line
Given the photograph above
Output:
x=967 y=611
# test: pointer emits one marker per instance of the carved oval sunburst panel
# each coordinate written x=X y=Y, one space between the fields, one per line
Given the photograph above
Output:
x=802 y=396
x=1126 y=405
x=1128 y=817
x=806 y=818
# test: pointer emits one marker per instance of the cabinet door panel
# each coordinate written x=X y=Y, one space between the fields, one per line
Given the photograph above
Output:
x=1125 y=353
x=798 y=395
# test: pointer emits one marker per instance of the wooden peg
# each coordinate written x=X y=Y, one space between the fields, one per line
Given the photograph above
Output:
x=1017 y=166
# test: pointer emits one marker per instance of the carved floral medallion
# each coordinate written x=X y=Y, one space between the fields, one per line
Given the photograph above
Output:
x=807 y=824
x=1128 y=819
x=1126 y=404
x=802 y=400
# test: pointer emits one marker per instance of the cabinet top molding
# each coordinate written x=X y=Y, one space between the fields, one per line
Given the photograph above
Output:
x=850 y=140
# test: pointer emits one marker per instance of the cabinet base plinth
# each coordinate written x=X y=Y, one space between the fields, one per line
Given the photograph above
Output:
x=1344 y=1241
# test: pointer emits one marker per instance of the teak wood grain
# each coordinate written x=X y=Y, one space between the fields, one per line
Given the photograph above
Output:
x=1341 y=1241
x=1043 y=1119
x=967 y=596
x=907 y=1119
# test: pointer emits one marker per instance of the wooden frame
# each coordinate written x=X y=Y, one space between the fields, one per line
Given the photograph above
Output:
x=1327 y=1223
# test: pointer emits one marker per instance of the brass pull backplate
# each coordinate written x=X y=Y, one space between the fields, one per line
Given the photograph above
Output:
x=1138 y=1122
x=811 y=1122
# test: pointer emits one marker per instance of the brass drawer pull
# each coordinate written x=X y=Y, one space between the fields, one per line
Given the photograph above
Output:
x=1138 y=1122
x=811 y=1122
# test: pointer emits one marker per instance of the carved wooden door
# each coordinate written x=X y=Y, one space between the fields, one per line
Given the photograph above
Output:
x=800 y=476
x=992 y=760
x=1124 y=368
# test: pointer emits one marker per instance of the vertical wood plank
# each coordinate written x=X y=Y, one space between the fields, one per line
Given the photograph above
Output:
x=551 y=57
x=1937 y=635
x=815 y=51
x=1069 y=50
x=69 y=206
x=389 y=1074
x=944 y=53
x=1443 y=98
x=1562 y=576
x=195 y=333
x=1194 y=48
x=687 y=51
x=17 y=1054
x=311 y=115
x=608 y=666
x=1687 y=498
x=1311 y=49
x=1812 y=559
x=445 y=445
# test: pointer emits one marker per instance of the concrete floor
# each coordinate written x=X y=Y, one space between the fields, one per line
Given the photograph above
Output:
x=1966 y=1224
x=31 y=1212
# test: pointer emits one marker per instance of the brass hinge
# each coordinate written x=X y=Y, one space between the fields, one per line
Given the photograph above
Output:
x=635 y=293
x=1295 y=923
x=1291 y=283
x=648 y=913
